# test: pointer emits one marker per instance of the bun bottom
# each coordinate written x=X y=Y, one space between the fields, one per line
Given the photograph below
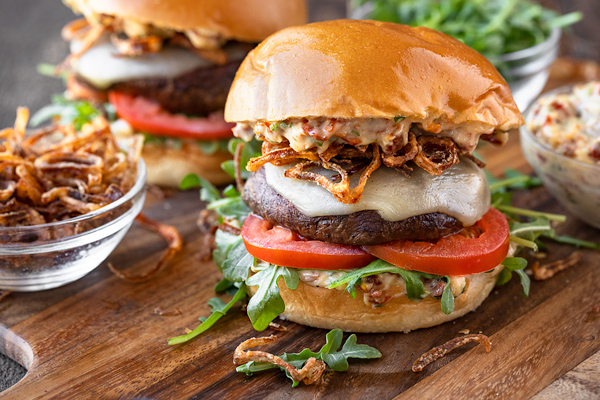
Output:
x=167 y=166
x=331 y=308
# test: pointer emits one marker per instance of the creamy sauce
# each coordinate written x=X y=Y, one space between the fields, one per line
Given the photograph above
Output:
x=570 y=123
x=390 y=134
x=461 y=191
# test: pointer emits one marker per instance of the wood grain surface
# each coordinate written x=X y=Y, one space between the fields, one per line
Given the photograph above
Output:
x=100 y=337
x=104 y=339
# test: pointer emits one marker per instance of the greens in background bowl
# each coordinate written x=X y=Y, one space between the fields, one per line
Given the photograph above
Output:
x=519 y=37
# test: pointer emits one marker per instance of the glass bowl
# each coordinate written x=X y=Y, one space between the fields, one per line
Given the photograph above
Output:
x=574 y=183
x=526 y=71
x=46 y=256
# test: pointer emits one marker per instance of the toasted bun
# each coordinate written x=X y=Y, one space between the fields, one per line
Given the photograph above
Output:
x=243 y=20
x=168 y=166
x=331 y=308
x=369 y=69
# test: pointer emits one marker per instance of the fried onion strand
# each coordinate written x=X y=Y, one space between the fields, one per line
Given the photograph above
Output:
x=171 y=236
x=309 y=373
x=440 y=351
x=340 y=190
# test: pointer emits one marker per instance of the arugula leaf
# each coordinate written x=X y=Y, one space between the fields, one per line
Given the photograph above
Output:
x=224 y=241
x=330 y=353
x=238 y=261
x=251 y=149
x=399 y=118
x=492 y=28
x=50 y=70
x=219 y=309
x=571 y=240
x=414 y=285
x=447 y=298
x=231 y=207
x=208 y=191
x=224 y=285
x=76 y=112
x=266 y=304
x=210 y=147
x=531 y=213
x=517 y=265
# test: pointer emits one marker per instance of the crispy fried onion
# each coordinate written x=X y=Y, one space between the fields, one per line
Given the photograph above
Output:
x=171 y=236
x=547 y=271
x=341 y=190
x=59 y=173
x=309 y=374
x=436 y=154
x=136 y=46
x=4 y=294
x=407 y=153
x=441 y=351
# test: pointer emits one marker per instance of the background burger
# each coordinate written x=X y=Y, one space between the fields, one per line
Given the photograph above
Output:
x=166 y=67
x=369 y=212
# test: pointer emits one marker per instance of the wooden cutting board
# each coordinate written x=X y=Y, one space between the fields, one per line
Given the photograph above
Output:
x=101 y=338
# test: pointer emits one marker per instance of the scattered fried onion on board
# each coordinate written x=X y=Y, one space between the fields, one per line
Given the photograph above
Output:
x=547 y=271
x=172 y=237
x=441 y=351
x=57 y=173
x=309 y=374
x=4 y=294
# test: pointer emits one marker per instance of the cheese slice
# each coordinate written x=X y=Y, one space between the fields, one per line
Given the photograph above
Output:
x=461 y=191
x=102 y=65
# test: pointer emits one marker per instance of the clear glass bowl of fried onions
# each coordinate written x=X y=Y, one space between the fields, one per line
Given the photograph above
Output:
x=67 y=198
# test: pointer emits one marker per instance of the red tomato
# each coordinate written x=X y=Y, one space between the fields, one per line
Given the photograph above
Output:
x=147 y=116
x=453 y=255
x=283 y=247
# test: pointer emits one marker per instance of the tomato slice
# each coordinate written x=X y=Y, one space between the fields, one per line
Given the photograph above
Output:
x=283 y=247
x=453 y=255
x=147 y=116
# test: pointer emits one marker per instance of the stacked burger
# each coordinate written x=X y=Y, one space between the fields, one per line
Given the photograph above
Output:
x=166 y=66
x=367 y=188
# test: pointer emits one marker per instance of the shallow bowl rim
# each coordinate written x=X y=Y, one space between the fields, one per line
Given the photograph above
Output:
x=140 y=182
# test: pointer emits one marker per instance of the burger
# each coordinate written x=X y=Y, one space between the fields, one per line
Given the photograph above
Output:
x=369 y=211
x=166 y=67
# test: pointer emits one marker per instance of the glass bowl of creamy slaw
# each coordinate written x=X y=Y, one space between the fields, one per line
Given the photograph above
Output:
x=561 y=141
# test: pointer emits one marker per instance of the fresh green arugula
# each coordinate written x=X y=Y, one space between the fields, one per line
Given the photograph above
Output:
x=67 y=111
x=219 y=309
x=266 y=304
x=492 y=27
x=413 y=280
x=566 y=239
x=330 y=353
x=251 y=149
x=516 y=265
x=50 y=70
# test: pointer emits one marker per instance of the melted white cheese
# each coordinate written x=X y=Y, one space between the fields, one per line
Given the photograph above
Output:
x=461 y=191
x=102 y=65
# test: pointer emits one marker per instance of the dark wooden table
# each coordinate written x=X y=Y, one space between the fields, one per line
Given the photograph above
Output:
x=30 y=34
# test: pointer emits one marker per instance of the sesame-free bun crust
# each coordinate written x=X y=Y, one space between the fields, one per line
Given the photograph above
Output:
x=369 y=69
x=243 y=20
x=168 y=166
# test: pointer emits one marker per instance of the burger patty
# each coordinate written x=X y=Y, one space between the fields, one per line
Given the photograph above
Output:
x=359 y=228
x=198 y=92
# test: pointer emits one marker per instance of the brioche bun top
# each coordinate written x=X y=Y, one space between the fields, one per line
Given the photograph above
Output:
x=243 y=20
x=369 y=69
